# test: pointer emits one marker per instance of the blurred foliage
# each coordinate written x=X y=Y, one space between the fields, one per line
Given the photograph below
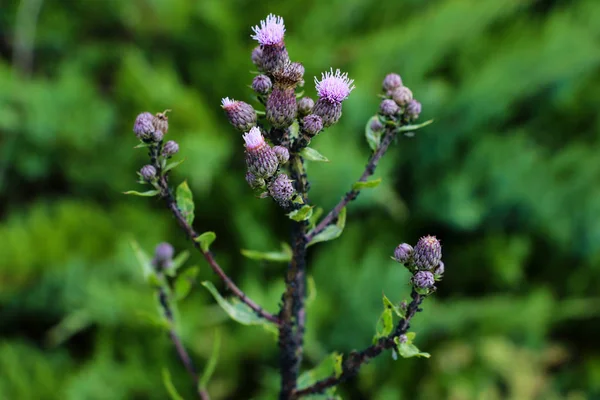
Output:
x=507 y=177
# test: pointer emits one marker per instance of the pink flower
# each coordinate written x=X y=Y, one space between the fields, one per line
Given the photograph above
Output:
x=254 y=139
x=228 y=103
x=270 y=32
x=334 y=87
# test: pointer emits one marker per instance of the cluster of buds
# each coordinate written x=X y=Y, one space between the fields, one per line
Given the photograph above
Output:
x=269 y=140
x=150 y=130
x=424 y=261
x=398 y=104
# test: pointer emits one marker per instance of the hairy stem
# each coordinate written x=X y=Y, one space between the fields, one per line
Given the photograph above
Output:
x=185 y=358
x=352 y=194
x=355 y=360
x=293 y=314
x=167 y=195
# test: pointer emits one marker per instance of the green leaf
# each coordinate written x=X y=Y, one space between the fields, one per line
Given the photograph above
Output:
x=301 y=214
x=172 y=165
x=178 y=261
x=149 y=193
x=212 y=362
x=311 y=154
x=173 y=394
x=366 y=185
x=157 y=320
x=142 y=258
x=317 y=212
x=332 y=364
x=385 y=325
x=284 y=255
x=184 y=283
x=410 y=336
x=408 y=350
x=311 y=290
x=70 y=325
x=142 y=145
x=373 y=138
x=206 y=240
x=408 y=128
x=236 y=310
x=332 y=231
x=185 y=202
x=388 y=304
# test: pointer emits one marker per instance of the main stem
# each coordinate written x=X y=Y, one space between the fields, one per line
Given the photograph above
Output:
x=293 y=314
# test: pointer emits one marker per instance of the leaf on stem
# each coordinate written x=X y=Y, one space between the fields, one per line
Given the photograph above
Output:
x=142 y=258
x=173 y=394
x=366 y=185
x=301 y=214
x=212 y=362
x=409 y=128
x=178 y=261
x=157 y=320
x=332 y=231
x=149 y=193
x=331 y=365
x=311 y=154
x=284 y=255
x=373 y=137
x=184 y=282
x=206 y=240
x=408 y=349
x=185 y=202
x=172 y=165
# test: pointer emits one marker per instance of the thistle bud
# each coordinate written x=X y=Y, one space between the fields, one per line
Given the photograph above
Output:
x=161 y=121
x=289 y=74
x=257 y=57
x=376 y=125
x=389 y=108
x=427 y=253
x=305 y=105
x=157 y=136
x=403 y=253
x=402 y=95
x=148 y=172
x=282 y=190
x=143 y=127
x=261 y=159
x=423 y=280
x=261 y=84
x=282 y=153
x=170 y=148
x=333 y=88
x=439 y=271
x=312 y=124
x=241 y=115
x=413 y=109
x=391 y=82
x=253 y=181
x=402 y=339
x=281 y=107
x=163 y=255
x=274 y=57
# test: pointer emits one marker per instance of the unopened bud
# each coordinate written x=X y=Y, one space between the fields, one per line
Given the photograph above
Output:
x=305 y=105
x=423 y=280
x=148 y=172
x=257 y=57
x=391 y=82
x=413 y=109
x=376 y=125
x=241 y=115
x=428 y=253
x=282 y=153
x=163 y=255
x=402 y=95
x=439 y=271
x=281 y=107
x=312 y=124
x=329 y=112
x=290 y=74
x=157 y=136
x=161 y=121
x=253 y=181
x=389 y=108
x=281 y=189
x=261 y=84
x=170 y=148
x=261 y=159
x=403 y=253
x=143 y=127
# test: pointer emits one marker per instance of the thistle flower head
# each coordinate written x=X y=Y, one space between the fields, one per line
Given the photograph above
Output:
x=261 y=84
x=148 y=172
x=157 y=136
x=282 y=153
x=161 y=121
x=227 y=103
x=312 y=124
x=413 y=109
x=241 y=115
x=253 y=181
x=439 y=271
x=281 y=189
x=334 y=87
x=270 y=31
x=389 y=108
x=376 y=125
x=143 y=126
x=254 y=139
x=428 y=253
x=403 y=253
x=391 y=82
x=423 y=280
x=305 y=105
x=281 y=107
x=163 y=252
x=402 y=95
x=170 y=148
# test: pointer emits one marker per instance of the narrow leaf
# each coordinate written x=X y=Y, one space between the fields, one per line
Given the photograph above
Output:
x=408 y=350
x=157 y=320
x=408 y=128
x=311 y=290
x=311 y=154
x=185 y=202
x=332 y=231
x=142 y=145
x=366 y=185
x=149 y=193
x=206 y=240
x=317 y=212
x=172 y=165
x=237 y=311
x=373 y=138
x=301 y=214
x=284 y=255
x=212 y=361
x=329 y=366
x=385 y=325
x=142 y=258
x=173 y=394
x=184 y=283
x=388 y=304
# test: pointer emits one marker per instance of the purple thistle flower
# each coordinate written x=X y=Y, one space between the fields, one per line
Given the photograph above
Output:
x=403 y=253
x=261 y=159
x=312 y=124
x=253 y=181
x=257 y=57
x=283 y=154
x=334 y=87
x=143 y=126
x=270 y=31
x=376 y=125
x=281 y=107
x=157 y=136
x=148 y=172
x=428 y=253
x=413 y=109
x=402 y=95
x=389 y=108
x=423 y=280
x=170 y=148
x=391 y=82
x=261 y=84
x=282 y=189
x=241 y=115
x=305 y=105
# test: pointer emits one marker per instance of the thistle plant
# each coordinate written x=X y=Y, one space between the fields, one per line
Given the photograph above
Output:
x=275 y=139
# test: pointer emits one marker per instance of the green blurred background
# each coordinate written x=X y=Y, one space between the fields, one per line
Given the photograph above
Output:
x=508 y=178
